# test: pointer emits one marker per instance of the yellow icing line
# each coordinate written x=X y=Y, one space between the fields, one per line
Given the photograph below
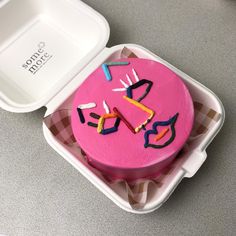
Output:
x=142 y=107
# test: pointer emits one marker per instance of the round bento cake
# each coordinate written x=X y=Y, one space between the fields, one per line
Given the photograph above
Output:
x=131 y=117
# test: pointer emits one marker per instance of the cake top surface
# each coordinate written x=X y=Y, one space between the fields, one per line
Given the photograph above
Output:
x=133 y=114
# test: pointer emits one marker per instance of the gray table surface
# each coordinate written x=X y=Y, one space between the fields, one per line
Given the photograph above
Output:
x=41 y=194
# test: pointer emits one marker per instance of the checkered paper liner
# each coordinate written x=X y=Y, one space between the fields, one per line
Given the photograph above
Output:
x=205 y=118
x=136 y=192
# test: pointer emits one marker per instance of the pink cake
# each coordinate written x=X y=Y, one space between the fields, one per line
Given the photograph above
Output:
x=132 y=117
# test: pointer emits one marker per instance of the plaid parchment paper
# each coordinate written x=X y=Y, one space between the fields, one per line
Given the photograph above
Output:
x=137 y=192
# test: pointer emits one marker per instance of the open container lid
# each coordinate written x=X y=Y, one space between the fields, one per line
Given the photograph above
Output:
x=43 y=45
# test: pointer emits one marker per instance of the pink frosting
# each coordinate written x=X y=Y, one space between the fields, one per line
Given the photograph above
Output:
x=122 y=154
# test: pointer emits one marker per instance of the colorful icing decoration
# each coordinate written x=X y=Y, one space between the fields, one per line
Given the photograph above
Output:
x=161 y=134
x=125 y=85
x=106 y=69
x=154 y=130
x=92 y=124
x=135 y=74
x=87 y=106
x=126 y=122
x=142 y=107
x=112 y=129
x=106 y=108
x=119 y=89
x=81 y=115
x=101 y=121
x=163 y=112
x=118 y=63
x=106 y=72
x=94 y=115
x=137 y=85
x=129 y=81
x=82 y=107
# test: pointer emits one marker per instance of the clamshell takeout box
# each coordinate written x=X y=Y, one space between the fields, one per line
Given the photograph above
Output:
x=48 y=48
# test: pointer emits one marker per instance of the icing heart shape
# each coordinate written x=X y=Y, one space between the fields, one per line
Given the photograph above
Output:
x=154 y=130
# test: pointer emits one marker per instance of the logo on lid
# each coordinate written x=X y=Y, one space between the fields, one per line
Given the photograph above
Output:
x=38 y=59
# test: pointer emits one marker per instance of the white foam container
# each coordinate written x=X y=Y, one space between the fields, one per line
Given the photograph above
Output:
x=48 y=48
